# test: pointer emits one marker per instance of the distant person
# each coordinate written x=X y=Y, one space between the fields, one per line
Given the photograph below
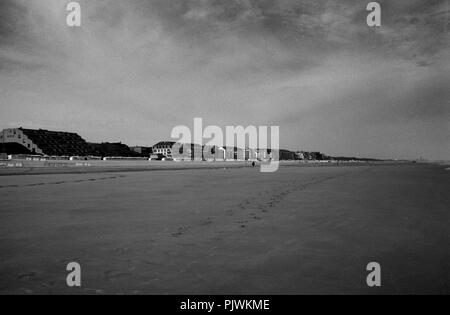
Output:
x=253 y=164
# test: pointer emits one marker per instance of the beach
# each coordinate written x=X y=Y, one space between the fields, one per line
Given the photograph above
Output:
x=227 y=230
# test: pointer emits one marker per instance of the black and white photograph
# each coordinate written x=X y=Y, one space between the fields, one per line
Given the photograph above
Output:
x=224 y=152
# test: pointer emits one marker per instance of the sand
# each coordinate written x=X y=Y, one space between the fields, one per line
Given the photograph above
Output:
x=301 y=230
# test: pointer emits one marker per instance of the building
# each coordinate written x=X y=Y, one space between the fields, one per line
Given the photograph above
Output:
x=230 y=153
x=187 y=152
x=317 y=156
x=286 y=155
x=196 y=151
x=250 y=154
x=214 y=153
x=211 y=153
x=312 y=156
x=43 y=142
x=107 y=149
x=300 y=155
x=142 y=151
x=263 y=154
x=164 y=148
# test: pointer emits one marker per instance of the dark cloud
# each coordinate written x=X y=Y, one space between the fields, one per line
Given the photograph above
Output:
x=411 y=29
x=414 y=30
x=13 y=21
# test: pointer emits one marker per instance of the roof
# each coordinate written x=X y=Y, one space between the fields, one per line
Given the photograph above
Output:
x=164 y=144
x=57 y=142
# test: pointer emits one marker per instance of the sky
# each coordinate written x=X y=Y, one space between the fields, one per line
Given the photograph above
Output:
x=135 y=69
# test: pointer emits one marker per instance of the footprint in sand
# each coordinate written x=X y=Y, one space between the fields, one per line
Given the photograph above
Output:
x=151 y=263
x=243 y=224
x=208 y=221
x=230 y=212
x=27 y=276
x=121 y=250
x=111 y=275
x=27 y=291
x=179 y=232
x=50 y=284
x=96 y=291
x=34 y=185
x=263 y=209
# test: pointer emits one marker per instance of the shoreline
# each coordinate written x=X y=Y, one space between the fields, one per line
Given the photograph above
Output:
x=21 y=167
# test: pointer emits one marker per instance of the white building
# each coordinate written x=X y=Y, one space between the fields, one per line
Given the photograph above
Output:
x=164 y=148
x=16 y=135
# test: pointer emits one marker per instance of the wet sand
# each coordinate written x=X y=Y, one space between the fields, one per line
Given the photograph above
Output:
x=301 y=230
